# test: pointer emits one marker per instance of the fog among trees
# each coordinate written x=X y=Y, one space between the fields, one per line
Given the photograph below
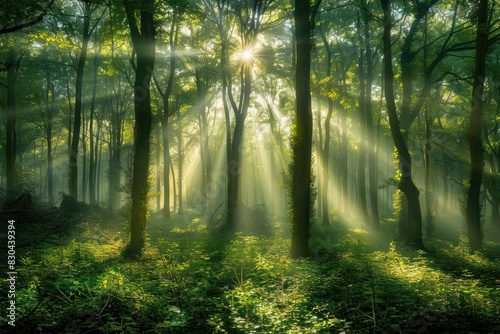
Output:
x=257 y=166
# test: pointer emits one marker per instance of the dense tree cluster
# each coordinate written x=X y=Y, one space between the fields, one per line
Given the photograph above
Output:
x=215 y=105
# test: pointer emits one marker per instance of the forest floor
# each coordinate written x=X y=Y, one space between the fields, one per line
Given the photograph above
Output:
x=190 y=280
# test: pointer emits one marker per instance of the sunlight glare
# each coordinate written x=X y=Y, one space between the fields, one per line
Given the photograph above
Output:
x=247 y=55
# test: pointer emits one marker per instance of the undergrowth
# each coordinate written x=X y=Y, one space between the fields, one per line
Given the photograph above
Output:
x=191 y=282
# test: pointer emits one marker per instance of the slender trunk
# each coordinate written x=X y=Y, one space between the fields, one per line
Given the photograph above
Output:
x=174 y=188
x=326 y=165
x=205 y=160
x=233 y=159
x=73 y=165
x=495 y=213
x=99 y=174
x=344 y=171
x=204 y=148
x=179 y=150
x=158 y=163
x=371 y=145
x=49 y=107
x=427 y=176
x=473 y=210
x=166 y=164
x=165 y=118
x=362 y=204
x=320 y=167
x=84 y=161
x=91 y=135
x=325 y=147
x=427 y=149
x=70 y=120
x=406 y=184
x=11 y=140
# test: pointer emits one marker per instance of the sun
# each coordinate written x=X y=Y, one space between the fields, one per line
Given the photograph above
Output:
x=247 y=55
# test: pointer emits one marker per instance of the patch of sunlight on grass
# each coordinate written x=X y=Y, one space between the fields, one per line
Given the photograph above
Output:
x=444 y=290
x=177 y=229
x=359 y=231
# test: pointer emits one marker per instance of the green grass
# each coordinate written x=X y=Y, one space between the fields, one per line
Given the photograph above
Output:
x=189 y=281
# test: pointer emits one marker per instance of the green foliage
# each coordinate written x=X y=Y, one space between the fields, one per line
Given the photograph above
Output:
x=188 y=283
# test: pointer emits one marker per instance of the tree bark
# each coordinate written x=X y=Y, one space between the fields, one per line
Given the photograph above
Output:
x=166 y=160
x=362 y=203
x=201 y=89
x=427 y=149
x=406 y=184
x=144 y=45
x=181 y=157
x=302 y=136
x=92 y=162
x=371 y=145
x=473 y=209
x=325 y=147
x=117 y=110
x=49 y=108
x=11 y=140
x=73 y=163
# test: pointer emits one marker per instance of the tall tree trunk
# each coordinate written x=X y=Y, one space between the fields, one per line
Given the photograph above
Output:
x=320 y=180
x=144 y=46
x=49 y=109
x=11 y=139
x=344 y=171
x=180 y=153
x=326 y=167
x=73 y=164
x=302 y=136
x=92 y=162
x=165 y=95
x=344 y=148
x=166 y=161
x=406 y=184
x=362 y=204
x=174 y=188
x=84 y=161
x=201 y=89
x=372 y=147
x=473 y=210
x=250 y=20
x=158 y=163
x=234 y=154
x=70 y=119
x=427 y=149
x=427 y=174
x=445 y=184
x=325 y=147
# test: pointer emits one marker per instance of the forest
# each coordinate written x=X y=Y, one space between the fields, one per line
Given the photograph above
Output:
x=250 y=166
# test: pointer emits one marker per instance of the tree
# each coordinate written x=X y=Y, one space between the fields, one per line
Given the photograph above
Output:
x=16 y=15
x=370 y=137
x=11 y=65
x=406 y=184
x=249 y=16
x=302 y=135
x=166 y=106
x=143 y=39
x=473 y=209
x=88 y=10
x=325 y=142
